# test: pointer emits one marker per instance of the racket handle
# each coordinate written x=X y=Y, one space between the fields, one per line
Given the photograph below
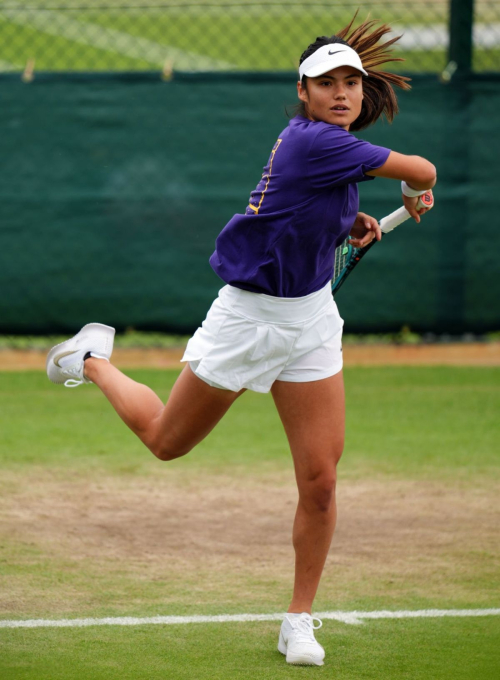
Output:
x=400 y=215
x=393 y=220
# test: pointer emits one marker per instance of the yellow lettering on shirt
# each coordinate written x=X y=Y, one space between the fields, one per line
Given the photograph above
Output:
x=273 y=153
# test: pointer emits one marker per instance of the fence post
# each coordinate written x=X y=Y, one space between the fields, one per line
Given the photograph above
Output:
x=460 y=45
x=456 y=171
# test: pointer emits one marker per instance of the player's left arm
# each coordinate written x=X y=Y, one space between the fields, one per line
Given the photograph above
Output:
x=417 y=172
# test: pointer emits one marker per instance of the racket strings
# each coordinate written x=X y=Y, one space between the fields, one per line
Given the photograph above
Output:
x=341 y=257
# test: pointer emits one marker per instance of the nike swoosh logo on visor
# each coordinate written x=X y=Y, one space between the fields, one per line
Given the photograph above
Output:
x=337 y=52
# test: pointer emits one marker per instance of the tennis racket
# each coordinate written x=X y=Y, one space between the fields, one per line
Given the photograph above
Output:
x=347 y=256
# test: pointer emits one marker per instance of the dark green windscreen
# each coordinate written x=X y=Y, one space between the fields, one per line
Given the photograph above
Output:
x=115 y=187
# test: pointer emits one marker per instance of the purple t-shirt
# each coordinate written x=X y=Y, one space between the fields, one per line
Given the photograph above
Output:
x=304 y=205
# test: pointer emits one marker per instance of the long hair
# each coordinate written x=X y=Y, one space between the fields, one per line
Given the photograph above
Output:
x=378 y=87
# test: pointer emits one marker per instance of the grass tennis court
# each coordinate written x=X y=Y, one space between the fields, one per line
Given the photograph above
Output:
x=94 y=526
x=418 y=650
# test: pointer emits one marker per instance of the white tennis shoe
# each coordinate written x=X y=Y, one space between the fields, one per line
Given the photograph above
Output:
x=65 y=362
x=297 y=641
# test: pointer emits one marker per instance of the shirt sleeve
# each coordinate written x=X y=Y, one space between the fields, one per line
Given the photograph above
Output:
x=337 y=158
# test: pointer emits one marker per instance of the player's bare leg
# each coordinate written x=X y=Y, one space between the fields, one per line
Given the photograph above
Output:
x=171 y=430
x=313 y=415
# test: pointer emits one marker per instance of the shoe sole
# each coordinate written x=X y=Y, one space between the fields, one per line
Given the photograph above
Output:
x=95 y=337
x=298 y=660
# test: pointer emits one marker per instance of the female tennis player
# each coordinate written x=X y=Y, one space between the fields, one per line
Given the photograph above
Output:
x=274 y=325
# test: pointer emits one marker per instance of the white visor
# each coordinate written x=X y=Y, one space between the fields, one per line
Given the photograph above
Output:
x=329 y=57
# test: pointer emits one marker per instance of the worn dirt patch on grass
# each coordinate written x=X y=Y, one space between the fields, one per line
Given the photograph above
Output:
x=394 y=536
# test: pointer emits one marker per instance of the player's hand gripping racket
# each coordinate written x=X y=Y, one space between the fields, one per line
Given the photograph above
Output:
x=347 y=256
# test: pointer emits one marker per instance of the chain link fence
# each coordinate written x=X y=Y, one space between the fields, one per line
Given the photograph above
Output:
x=116 y=181
x=144 y=35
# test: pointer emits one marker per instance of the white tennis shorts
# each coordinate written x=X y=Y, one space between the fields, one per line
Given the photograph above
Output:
x=249 y=340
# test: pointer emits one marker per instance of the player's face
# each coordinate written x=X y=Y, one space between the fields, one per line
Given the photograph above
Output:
x=335 y=97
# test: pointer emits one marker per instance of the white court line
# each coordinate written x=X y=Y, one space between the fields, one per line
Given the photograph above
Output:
x=485 y=36
x=7 y=66
x=353 y=618
x=110 y=40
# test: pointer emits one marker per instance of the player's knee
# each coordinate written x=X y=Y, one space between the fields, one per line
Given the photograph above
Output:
x=166 y=451
x=324 y=496
x=318 y=493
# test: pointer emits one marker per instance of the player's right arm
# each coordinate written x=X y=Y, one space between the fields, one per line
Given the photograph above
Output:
x=416 y=171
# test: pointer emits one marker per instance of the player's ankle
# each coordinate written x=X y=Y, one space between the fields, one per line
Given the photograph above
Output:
x=91 y=363
x=293 y=609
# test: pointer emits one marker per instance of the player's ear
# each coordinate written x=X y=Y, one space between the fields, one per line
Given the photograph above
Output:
x=302 y=92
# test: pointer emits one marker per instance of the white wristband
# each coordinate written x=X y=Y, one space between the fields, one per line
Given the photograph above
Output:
x=412 y=193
